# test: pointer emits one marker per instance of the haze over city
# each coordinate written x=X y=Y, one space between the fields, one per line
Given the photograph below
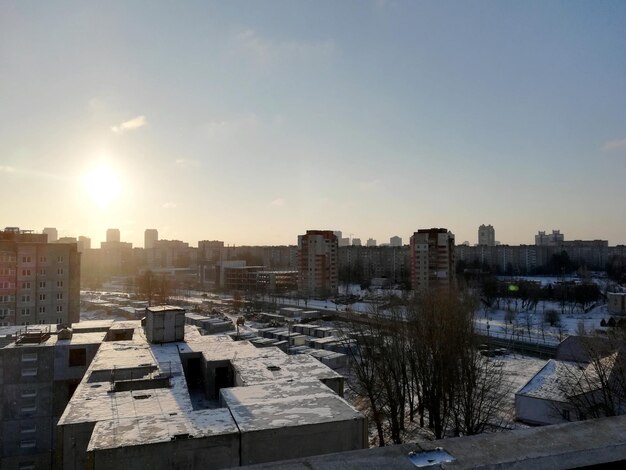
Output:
x=250 y=122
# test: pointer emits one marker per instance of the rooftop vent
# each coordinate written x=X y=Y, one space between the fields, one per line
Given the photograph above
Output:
x=273 y=368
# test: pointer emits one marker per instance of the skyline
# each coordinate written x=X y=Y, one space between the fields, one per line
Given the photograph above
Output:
x=251 y=123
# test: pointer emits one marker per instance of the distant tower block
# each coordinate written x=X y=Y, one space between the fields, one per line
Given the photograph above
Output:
x=486 y=235
x=113 y=235
x=52 y=233
x=150 y=237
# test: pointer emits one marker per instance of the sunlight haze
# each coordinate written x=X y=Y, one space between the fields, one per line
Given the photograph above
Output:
x=250 y=122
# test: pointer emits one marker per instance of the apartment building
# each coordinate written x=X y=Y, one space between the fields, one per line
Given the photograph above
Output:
x=432 y=258
x=486 y=235
x=39 y=281
x=317 y=263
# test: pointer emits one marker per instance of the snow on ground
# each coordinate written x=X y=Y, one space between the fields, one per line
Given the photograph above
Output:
x=530 y=326
x=518 y=370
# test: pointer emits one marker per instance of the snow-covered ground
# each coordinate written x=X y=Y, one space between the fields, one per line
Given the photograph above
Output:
x=530 y=325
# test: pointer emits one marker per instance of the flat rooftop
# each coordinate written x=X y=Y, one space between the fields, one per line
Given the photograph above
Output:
x=285 y=404
x=154 y=429
x=271 y=365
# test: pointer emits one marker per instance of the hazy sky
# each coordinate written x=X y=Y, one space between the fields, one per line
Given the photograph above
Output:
x=250 y=122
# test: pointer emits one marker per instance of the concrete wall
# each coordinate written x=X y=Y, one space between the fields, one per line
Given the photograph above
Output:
x=72 y=442
x=211 y=452
x=301 y=441
x=537 y=411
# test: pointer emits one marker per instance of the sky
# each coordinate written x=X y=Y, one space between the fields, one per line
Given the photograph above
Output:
x=251 y=122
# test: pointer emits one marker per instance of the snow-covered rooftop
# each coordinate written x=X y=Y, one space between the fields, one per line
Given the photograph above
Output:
x=285 y=404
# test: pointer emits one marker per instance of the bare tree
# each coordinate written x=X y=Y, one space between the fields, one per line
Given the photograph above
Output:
x=596 y=385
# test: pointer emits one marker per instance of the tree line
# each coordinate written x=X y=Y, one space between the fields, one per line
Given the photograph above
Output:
x=422 y=364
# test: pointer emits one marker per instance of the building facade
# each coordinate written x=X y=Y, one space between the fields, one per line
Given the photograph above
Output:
x=39 y=281
x=432 y=258
x=150 y=237
x=552 y=239
x=317 y=263
x=486 y=235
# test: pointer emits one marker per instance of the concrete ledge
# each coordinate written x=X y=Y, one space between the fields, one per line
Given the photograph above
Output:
x=570 y=445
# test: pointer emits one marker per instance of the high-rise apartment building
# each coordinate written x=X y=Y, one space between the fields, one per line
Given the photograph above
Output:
x=113 y=235
x=371 y=242
x=432 y=258
x=317 y=263
x=395 y=241
x=52 y=233
x=39 y=281
x=486 y=235
x=150 y=237
x=356 y=242
x=553 y=239
x=84 y=244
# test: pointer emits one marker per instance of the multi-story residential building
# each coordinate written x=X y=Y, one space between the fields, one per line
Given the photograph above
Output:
x=432 y=258
x=371 y=242
x=356 y=242
x=105 y=395
x=362 y=263
x=39 y=281
x=113 y=235
x=395 y=241
x=52 y=233
x=84 y=244
x=150 y=237
x=486 y=235
x=317 y=263
x=553 y=239
x=39 y=370
x=170 y=254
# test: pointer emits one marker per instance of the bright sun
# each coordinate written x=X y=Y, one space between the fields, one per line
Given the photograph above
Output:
x=103 y=185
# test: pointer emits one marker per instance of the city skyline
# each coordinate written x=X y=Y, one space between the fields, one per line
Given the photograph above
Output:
x=251 y=123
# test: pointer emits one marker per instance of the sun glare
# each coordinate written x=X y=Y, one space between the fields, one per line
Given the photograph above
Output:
x=103 y=185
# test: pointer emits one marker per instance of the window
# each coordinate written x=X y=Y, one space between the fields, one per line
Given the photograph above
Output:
x=59 y=283
x=60 y=271
x=42 y=309
x=59 y=259
x=27 y=444
x=29 y=392
x=42 y=271
x=29 y=372
x=59 y=295
x=28 y=429
x=25 y=285
x=42 y=296
x=42 y=259
x=59 y=309
x=26 y=298
x=78 y=357
x=25 y=272
x=26 y=259
x=29 y=357
x=565 y=414
x=26 y=311
x=42 y=284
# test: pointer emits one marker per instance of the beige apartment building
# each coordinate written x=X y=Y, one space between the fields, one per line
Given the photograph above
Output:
x=432 y=258
x=39 y=281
